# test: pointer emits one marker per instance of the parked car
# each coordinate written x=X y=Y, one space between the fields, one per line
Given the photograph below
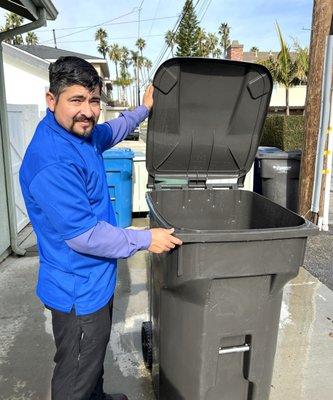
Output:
x=134 y=135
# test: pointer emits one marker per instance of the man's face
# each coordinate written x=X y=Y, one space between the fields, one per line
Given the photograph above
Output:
x=76 y=109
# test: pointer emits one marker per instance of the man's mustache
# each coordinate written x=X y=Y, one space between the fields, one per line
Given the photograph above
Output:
x=84 y=119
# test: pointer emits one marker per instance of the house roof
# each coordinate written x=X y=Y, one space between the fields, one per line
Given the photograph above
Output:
x=251 y=56
x=29 y=8
x=17 y=52
x=25 y=57
x=51 y=54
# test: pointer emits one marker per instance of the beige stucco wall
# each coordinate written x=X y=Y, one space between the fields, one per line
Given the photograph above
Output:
x=297 y=95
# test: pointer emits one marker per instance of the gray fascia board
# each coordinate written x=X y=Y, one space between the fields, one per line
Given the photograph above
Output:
x=31 y=7
x=41 y=21
x=17 y=9
x=51 y=11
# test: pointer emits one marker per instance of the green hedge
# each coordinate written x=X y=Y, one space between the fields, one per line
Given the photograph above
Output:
x=284 y=132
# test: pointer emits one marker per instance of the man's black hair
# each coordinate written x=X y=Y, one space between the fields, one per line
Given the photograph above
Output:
x=68 y=71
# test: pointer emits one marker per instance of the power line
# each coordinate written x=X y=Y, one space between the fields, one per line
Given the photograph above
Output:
x=154 y=19
x=204 y=13
x=202 y=7
x=160 y=57
x=108 y=24
x=93 y=26
x=114 y=38
x=137 y=61
x=165 y=47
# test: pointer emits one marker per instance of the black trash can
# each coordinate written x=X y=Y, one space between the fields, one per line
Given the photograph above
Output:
x=257 y=183
x=215 y=301
x=279 y=176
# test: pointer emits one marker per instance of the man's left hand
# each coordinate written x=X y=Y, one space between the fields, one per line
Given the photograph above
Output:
x=148 y=97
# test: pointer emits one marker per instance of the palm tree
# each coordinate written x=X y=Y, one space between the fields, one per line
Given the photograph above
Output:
x=101 y=37
x=115 y=55
x=31 y=39
x=217 y=53
x=140 y=44
x=170 y=40
x=285 y=67
x=282 y=69
x=148 y=65
x=224 y=31
x=101 y=34
x=124 y=61
x=212 y=42
x=271 y=64
x=302 y=63
x=254 y=50
x=103 y=48
x=13 y=21
x=141 y=64
x=134 y=59
x=123 y=81
x=202 y=46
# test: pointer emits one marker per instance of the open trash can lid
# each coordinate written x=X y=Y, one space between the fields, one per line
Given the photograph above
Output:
x=207 y=117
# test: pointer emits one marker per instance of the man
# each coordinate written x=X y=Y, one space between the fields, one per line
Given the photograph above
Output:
x=66 y=194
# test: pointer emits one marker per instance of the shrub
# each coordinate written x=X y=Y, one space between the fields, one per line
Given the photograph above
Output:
x=284 y=132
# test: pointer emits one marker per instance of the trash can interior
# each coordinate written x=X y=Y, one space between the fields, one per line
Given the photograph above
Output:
x=220 y=210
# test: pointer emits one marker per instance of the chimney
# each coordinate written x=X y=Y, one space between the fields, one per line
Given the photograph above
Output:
x=235 y=51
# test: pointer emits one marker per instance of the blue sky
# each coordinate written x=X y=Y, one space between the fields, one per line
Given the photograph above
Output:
x=251 y=21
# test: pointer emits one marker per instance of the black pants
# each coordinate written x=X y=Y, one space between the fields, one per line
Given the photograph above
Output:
x=81 y=343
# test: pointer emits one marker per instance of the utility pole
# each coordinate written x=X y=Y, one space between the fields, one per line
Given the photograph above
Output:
x=54 y=38
x=137 y=61
x=321 y=24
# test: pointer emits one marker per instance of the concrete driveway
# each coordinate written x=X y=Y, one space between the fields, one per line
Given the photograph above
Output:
x=303 y=364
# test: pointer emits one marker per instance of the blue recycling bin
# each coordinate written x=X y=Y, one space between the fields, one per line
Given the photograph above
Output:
x=118 y=165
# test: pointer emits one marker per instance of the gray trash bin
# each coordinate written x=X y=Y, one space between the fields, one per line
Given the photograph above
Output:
x=279 y=175
x=215 y=301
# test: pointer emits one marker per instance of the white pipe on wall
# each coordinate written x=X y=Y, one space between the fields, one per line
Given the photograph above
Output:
x=328 y=172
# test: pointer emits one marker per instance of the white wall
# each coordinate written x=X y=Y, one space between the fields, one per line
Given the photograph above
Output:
x=297 y=95
x=25 y=84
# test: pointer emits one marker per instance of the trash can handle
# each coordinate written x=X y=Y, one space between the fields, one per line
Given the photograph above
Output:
x=235 y=349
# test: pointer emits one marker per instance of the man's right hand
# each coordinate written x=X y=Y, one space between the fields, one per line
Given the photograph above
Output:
x=162 y=240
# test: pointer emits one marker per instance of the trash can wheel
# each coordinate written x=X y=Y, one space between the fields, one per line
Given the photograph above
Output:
x=147 y=344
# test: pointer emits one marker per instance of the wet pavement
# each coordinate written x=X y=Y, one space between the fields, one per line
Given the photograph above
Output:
x=304 y=358
x=319 y=258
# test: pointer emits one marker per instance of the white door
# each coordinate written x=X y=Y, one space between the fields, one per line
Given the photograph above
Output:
x=22 y=122
x=4 y=222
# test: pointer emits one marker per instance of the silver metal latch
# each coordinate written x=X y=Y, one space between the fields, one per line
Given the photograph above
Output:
x=220 y=182
x=234 y=349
